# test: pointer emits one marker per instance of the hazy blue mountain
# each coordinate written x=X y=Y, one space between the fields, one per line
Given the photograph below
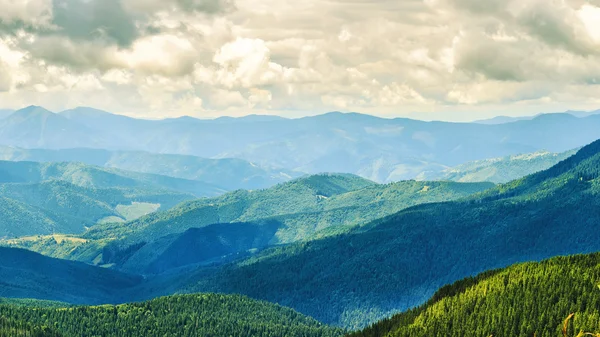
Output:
x=98 y=177
x=499 y=170
x=503 y=120
x=508 y=119
x=5 y=113
x=398 y=262
x=582 y=114
x=377 y=148
x=228 y=173
x=35 y=127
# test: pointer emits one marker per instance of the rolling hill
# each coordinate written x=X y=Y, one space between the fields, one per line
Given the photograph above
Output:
x=218 y=229
x=60 y=207
x=47 y=198
x=398 y=262
x=188 y=315
x=25 y=274
x=97 y=177
x=500 y=170
x=228 y=173
x=531 y=299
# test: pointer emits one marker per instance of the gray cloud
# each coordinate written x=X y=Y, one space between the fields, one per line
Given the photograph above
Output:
x=94 y=19
x=383 y=56
x=206 y=6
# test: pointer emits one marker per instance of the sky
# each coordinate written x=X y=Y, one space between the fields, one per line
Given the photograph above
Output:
x=425 y=59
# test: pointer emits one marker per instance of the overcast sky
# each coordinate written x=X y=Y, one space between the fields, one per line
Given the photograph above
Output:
x=428 y=59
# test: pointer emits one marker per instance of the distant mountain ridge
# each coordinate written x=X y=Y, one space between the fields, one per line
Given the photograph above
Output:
x=97 y=177
x=499 y=170
x=381 y=149
x=227 y=173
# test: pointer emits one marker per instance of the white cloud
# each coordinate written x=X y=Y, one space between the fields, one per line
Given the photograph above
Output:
x=30 y=12
x=172 y=57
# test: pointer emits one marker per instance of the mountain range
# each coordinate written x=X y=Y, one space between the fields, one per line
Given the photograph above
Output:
x=227 y=173
x=213 y=229
x=499 y=170
x=46 y=198
x=396 y=260
x=244 y=208
x=379 y=149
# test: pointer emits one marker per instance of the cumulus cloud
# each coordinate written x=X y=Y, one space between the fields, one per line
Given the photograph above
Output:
x=203 y=57
x=29 y=12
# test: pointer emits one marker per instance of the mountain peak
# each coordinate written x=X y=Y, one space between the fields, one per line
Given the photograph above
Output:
x=33 y=110
x=328 y=184
x=81 y=110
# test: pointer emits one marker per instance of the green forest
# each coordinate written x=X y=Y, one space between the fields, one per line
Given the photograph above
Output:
x=184 y=315
x=525 y=300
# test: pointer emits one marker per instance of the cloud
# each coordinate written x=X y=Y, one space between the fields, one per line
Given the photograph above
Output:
x=202 y=6
x=29 y=12
x=159 y=58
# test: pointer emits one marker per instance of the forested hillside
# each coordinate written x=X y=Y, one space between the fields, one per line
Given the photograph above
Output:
x=401 y=260
x=56 y=206
x=189 y=315
x=530 y=299
x=306 y=208
x=14 y=328
x=25 y=274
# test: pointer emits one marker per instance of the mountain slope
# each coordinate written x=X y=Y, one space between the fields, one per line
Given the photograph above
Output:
x=14 y=328
x=228 y=173
x=500 y=170
x=60 y=207
x=222 y=228
x=299 y=210
x=5 y=113
x=35 y=127
x=190 y=315
x=25 y=274
x=98 y=177
x=399 y=261
x=531 y=299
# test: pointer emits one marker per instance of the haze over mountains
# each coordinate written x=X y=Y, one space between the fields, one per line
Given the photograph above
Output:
x=136 y=209
x=379 y=149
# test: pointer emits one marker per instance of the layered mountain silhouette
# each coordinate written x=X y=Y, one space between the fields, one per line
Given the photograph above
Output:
x=379 y=149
